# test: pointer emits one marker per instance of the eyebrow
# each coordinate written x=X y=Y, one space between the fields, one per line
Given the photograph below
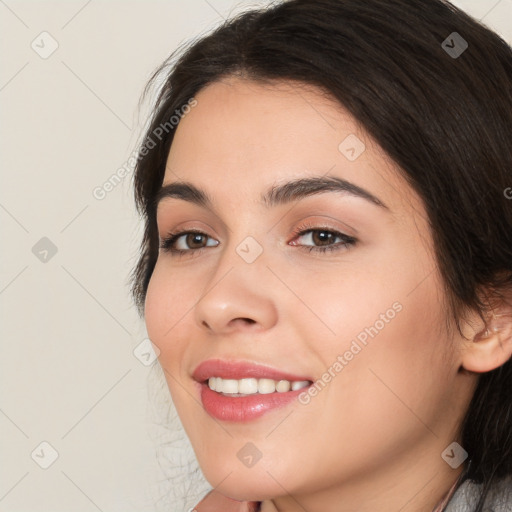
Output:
x=275 y=195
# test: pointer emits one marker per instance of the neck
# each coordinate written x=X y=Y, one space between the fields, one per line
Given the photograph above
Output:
x=405 y=491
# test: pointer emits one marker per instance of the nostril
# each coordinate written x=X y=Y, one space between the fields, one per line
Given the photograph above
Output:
x=243 y=320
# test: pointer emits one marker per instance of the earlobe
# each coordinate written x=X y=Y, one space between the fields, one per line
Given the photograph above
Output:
x=491 y=347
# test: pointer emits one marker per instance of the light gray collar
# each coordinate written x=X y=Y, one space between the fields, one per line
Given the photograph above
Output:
x=467 y=495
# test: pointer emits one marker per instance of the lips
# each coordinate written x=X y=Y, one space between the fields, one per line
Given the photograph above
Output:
x=241 y=370
x=242 y=409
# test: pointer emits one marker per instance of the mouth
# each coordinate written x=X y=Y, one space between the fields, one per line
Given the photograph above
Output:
x=241 y=392
x=252 y=386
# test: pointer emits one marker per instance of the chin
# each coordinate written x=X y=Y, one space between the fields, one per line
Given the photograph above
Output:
x=249 y=484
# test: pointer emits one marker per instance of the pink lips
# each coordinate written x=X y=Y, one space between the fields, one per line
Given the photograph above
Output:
x=240 y=370
x=242 y=408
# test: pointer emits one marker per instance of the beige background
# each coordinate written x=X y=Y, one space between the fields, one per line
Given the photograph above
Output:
x=69 y=375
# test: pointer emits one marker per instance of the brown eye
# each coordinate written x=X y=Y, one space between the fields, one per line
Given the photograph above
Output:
x=321 y=240
x=187 y=241
x=323 y=237
x=195 y=240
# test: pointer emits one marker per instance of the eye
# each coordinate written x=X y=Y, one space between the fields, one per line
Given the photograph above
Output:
x=323 y=239
x=318 y=239
x=186 y=241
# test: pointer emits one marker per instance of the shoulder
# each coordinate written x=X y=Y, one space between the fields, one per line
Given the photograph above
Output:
x=499 y=498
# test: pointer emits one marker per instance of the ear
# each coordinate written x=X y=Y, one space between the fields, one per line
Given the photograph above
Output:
x=489 y=346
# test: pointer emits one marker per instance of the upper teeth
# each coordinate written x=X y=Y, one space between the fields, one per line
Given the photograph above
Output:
x=252 y=386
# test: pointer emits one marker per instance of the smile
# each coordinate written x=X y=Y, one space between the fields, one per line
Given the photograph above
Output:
x=252 y=386
x=241 y=391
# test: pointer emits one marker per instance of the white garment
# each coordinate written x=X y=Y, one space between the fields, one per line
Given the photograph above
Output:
x=467 y=495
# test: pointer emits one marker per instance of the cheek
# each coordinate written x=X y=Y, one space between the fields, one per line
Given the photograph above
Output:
x=391 y=301
x=380 y=403
x=156 y=306
x=384 y=346
x=167 y=303
x=397 y=367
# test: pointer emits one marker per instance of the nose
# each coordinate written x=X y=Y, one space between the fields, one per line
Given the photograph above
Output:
x=237 y=296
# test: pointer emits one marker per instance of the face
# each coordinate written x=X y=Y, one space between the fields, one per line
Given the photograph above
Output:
x=333 y=282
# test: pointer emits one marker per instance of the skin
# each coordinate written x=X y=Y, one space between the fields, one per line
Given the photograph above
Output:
x=372 y=438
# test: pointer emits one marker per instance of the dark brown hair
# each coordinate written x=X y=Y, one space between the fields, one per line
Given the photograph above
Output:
x=445 y=119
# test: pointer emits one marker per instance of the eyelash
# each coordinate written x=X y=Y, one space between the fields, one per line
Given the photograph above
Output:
x=347 y=241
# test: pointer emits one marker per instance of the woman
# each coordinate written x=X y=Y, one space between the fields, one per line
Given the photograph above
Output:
x=326 y=268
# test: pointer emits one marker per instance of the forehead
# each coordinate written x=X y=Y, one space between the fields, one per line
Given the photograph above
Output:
x=243 y=136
